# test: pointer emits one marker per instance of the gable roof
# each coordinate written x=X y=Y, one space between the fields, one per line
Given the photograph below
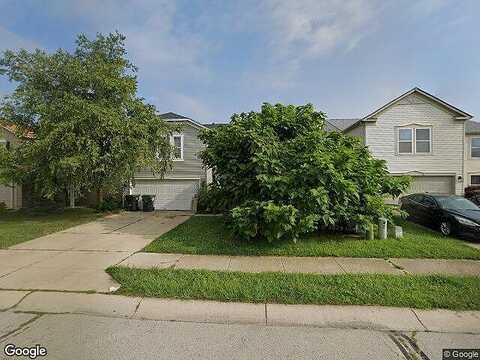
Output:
x=462 y=115
x=339 y=124
x=472 y=127
x=173 y=117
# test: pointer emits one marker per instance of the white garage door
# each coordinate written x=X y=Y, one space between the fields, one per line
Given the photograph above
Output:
x=169 y=194
x=433 y=184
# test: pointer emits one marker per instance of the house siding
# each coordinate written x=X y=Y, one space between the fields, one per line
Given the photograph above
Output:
x=447 y=153
x=472 y=165
x=358 y=131
x=191 y=167
x=10 y=195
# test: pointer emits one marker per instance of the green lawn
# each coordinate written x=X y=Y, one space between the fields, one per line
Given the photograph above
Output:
x=208 y=235
x=20 y=226
x=425 y=292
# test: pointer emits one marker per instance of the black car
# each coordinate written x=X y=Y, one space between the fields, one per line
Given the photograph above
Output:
x=449 y=214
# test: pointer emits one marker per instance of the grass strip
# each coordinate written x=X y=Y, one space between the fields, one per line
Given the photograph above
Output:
x=23 y=225
x=208 y=235
x=424 y=292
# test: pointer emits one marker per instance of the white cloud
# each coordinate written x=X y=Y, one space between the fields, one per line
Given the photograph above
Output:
x=311 y=28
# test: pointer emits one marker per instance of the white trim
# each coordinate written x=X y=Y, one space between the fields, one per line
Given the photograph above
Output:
x=411 y=141
x=3 y=141
x=172 y=143
x=192 y=122
x=463 y=114
x=421 y=173
x=429 y=140
x=413 y=130
x=413 y=124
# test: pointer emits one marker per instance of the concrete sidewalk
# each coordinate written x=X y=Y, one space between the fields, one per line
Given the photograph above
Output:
x=316 y=265
x=328 y=316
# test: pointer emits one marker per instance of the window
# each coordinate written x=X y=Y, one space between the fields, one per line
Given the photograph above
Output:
x=428 y=202
x=475 y=148
x=405 y=141
x=475 y=180
x=417 y=198
x=422 y=140
x=177 y=142
x=421 y=137
x=5 y=143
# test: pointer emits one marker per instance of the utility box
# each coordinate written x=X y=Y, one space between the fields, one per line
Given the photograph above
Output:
x=382 y=228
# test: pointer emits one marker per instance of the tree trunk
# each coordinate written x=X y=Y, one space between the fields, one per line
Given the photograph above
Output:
x=71 y=195
x=99 y=196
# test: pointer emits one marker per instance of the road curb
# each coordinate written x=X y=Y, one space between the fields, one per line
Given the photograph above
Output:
x=200 y=311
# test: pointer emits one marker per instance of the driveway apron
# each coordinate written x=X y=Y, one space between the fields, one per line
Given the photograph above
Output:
x=75 y=259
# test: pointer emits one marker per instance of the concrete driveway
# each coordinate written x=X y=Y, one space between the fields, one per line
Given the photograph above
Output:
x=75 y=259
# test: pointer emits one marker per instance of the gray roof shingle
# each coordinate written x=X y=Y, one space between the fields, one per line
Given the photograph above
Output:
x=340 y=124
x=172 y=115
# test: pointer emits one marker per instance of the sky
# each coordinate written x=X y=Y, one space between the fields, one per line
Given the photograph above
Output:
x=210 y=59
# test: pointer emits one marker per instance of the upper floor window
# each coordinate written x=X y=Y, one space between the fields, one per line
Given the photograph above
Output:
x=405 y=141
x=423 y=140
x=475 y=147
x=414 y=140
x=177 y=142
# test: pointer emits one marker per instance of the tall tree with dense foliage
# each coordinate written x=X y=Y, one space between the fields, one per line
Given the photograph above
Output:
x=91 y=130
x=279 y=174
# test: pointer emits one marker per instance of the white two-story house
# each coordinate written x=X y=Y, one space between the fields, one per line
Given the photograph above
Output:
x=421 y=136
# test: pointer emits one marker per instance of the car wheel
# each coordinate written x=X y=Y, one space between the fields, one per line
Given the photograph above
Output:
x=446 y=227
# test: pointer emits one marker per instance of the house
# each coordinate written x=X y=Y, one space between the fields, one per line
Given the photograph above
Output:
x=10 y=195
x=472 y=153
x=417 y=134
x=179 y=186
x=421 y=136
x=177 y=189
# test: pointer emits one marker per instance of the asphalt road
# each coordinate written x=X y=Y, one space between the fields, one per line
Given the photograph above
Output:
x=92 y=337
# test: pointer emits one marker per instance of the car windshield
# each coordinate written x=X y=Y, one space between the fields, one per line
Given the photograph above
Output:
x=457 y=203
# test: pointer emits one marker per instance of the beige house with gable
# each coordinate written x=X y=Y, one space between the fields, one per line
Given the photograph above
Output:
x=418 y=135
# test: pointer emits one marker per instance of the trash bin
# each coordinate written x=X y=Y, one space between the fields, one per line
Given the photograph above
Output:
x=131 y=202
x=147 y=202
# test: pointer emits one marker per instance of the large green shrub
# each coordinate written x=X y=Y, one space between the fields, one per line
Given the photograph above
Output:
x=280 y=174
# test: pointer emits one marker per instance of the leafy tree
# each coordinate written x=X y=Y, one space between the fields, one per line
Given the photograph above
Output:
x=91 y=131
x=279 y=174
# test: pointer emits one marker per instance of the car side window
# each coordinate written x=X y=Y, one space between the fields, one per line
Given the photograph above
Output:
x=428 y=201
x=417 y=198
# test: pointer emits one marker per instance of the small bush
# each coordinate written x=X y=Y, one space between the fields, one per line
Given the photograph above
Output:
x=108 y=205
x=3 y=207
x=210 y=200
